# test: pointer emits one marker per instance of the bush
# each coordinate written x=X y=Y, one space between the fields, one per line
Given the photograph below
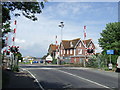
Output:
x=92 y=63
x=15 y=68
x=54 y=61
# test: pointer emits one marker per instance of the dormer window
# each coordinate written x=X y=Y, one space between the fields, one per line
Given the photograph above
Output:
x=71 y=44
x=80 y=44
x=90 y=46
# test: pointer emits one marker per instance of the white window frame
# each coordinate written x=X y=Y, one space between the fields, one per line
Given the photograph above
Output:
x=80 y=51
x=70 y=51
x=64 y=51
x=80 y=44
x=71 y=44
x=91 y=46
x=61 y=52
x=67 y=51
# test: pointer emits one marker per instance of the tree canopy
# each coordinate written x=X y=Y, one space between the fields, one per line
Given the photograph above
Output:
x=28 y=9
x=110 y=37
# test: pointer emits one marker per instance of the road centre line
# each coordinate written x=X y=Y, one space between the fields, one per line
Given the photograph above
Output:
x=35 y=79
x=84 y=79
x=59 y=68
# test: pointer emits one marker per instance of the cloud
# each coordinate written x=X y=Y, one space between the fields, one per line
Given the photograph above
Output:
x=65 y=9
x=19 y=41
x=98 y=49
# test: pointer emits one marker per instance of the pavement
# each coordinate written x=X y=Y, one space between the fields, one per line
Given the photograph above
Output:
x=21 y=79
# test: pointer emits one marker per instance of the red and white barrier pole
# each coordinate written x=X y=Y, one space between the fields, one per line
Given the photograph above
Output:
x=14 y=32
x=85 y=46
x=56 y=44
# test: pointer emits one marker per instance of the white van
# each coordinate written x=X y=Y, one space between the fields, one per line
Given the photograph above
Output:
x=118 y=64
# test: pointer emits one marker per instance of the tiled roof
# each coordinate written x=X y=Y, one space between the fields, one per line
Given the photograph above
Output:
x=70 y=43
x=53 y=47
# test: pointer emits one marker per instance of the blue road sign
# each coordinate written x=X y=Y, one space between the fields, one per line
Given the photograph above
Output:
x=110 y=51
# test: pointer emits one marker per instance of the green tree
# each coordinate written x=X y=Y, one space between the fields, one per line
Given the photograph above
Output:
x=44 y=57
x=5 y=30
x=28 y=9
x=110 y=37
x=19 y=55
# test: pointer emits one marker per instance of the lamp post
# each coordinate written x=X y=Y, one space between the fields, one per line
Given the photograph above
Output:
x=61 y=25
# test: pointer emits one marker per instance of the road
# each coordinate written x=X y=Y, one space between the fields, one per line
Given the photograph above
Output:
x=53 y=76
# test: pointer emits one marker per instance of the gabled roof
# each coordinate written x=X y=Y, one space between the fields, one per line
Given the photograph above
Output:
x=75 y=42
x=70 y=43
x=53 y=47
x=86 y=42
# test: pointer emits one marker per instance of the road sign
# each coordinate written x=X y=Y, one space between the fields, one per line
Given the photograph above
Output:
x=110 y=51
x=110 y=65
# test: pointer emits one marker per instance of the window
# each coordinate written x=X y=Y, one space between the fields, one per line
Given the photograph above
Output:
x=71 y=44
x=74 y=52
x=67 y=51
x=80 y=44
x=90 y=45
x=61 y=51
x=64 y=51
x=80 y=51
x=70 y=51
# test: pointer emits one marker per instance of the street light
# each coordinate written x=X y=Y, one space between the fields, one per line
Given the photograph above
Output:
x=61 y=25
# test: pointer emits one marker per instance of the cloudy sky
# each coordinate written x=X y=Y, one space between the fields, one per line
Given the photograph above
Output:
x=34 y=37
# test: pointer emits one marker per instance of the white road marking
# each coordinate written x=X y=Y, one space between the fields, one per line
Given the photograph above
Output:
x=35 y=79
x=67 y=86
x=84 y=79
x=60 y=68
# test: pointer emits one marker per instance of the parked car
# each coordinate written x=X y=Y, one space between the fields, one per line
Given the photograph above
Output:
x=41 y=61
x=118 y=64
x=35 y=61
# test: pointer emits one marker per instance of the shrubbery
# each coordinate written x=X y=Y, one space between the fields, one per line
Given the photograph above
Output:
x=15 y=68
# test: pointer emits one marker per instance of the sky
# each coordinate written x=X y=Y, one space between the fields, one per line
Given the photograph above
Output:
x=34 y=37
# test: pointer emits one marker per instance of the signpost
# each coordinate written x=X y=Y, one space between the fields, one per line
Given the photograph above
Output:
x=110 y=52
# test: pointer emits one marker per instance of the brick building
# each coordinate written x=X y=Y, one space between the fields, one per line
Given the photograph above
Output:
x=52 y=50
x=74 y=51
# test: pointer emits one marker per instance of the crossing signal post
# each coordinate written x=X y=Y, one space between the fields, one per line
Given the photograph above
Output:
x=8 y=53
x=14 y=58
x=14 y=49
x=90 y=50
